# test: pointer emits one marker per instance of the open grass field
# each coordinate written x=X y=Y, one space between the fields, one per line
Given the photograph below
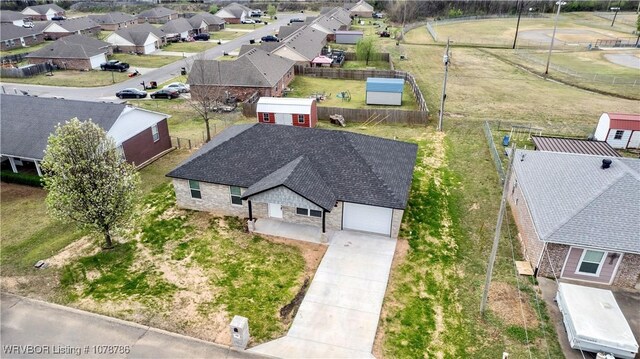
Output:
x=194 y=46
x=145 y=61
x=74 y=78
x=304 y=86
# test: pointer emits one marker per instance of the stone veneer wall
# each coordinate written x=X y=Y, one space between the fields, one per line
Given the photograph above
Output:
x=628 y=274
x=216 y=199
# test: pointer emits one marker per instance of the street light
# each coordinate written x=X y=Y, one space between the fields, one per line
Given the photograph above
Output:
x=553 y=37
x=616 y=9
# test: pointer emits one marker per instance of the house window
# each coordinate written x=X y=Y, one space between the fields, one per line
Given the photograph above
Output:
x=308 y=212
x=300 y=118
x=155 y=133
x=235 y=195
x=590 y=262
x=618 y=135
x=265 y=117
x=194 y=186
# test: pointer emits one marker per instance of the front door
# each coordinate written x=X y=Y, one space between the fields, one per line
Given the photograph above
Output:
x=275 y=210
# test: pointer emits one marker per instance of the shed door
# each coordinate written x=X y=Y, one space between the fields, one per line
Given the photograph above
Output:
x=149 y=48
x=97 y=60
x=634 y=142
x=284 y=119
x=367 y=218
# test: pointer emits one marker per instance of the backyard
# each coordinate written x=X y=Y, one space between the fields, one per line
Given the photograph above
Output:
x=75 y=78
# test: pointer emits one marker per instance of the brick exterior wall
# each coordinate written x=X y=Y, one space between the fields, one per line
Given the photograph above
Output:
x=628 y=272
x=141 y=147
x=216 y=199
x=556 y=254
x=157 y=20
x=241 y=92
x=69 y=64
x=532 y=246
x=114 y=27
x=28 y=41
x=231 y=20
x=94 y=31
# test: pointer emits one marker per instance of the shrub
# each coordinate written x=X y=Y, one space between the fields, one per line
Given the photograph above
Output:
x=20 y=178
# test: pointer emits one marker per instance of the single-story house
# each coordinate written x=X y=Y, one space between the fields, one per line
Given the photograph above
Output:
x=234 y=13
x=11 y=17
x=573 y=145
x=206 y=21
x=43 y=12
x=114 y=20
x=361 y=9
x=79 y=25
x=577 y=215
x=12 y=36
x=302 y=46
x=177 y=29
x=348 y=37
x=139 y=39
x=301 y=112
x=141 y=135
x=254 y=71
x=157 y=15
x=384 y=91
x=620 y=130
x=332 y=180
x=74 y=52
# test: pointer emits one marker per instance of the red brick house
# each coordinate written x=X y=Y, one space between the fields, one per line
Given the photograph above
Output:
x=114 y=20
x=577 y=215
x=234 y=13
x=157 y=15
x=12 y=36
x=255 y=71
x=300 y=112
x=43 y=12
x=80 y=25
x=75 y=52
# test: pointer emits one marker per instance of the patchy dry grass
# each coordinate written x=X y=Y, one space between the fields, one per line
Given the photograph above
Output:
x=145 y=61
x=73 y=78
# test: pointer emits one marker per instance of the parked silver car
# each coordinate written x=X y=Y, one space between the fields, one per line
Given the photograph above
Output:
x=178 y=86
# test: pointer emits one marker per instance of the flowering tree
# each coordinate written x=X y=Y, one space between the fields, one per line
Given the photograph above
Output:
x=87 y=181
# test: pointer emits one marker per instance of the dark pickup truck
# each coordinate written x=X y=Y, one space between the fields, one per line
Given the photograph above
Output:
x=114 y=65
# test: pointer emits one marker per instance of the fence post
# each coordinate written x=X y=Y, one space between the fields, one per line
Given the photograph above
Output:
x=178 y=138
x=189 y=143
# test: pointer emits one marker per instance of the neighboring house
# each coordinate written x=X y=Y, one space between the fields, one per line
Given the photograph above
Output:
x=384 y=91
x=287 y=30
x=141 y=135
x=177 y=29
x=301 y=112
x=361 y=9
x=43 y=12
x=157 y=15
x=234 y=13
x=12 y=36
x=139 y=39
x=577 y=215
x=254 y=71
x=348 y=37
x=302 y=46
x=79 y=25
x=209 y=22
x=11 y=17
x=572 y=145
x=114 y=20
x=619 y=130
x=332 y=180
x=74 y=52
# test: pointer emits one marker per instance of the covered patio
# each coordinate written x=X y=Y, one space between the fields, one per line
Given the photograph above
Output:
x=280 y=228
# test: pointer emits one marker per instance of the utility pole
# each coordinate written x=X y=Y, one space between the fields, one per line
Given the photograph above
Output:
x=616 y=14
x=553 y=37
x=496 y=238
x=519 y=6
x=445 y=59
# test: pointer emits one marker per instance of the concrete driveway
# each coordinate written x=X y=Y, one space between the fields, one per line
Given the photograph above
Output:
x=338 y=317
x=35 y=329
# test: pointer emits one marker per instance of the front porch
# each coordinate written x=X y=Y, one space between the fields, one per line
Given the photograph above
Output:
x=280 y=228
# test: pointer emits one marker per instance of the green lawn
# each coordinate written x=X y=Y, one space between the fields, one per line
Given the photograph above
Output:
x=22 y=50
x=74 y=78
x=195 y=46
x=145 y=61
x=378 y=65
x=226 y=34
x=304 y=86
x=243 y=26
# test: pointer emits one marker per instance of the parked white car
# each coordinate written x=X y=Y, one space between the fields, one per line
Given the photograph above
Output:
x=248 y=21
x=178 y=86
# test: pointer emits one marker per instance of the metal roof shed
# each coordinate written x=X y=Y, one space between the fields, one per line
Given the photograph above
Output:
x=384 y=91
x=301 y=112
x=348 y=37
x=594 y=322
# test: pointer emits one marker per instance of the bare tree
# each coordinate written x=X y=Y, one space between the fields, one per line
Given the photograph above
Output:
x=205 y=95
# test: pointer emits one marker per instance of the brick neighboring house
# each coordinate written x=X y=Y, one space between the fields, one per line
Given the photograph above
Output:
x=141 y=135
x=43 y=12
x=12 y=36
x=234 y=13
x=74 y=52
x=79 y=25
x=576 y=217
x=157 y=15
x=301 y=112
x=331 y=180
x=11 y=17
x=361 y=9
x=206 y=22
x=255 y=71
x=178 y=29
x=302 y=46
x=114 y=20
x=620 y=130
x=139 y=39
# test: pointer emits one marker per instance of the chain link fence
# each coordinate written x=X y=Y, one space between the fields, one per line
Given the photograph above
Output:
x=494 y=151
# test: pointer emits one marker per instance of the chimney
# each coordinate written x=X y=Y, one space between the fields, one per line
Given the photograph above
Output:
x=606 y=163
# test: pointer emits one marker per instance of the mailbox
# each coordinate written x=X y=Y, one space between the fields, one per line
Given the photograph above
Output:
x=239 y=332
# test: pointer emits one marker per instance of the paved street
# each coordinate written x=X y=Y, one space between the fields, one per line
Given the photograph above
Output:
x=35 y=329
x=160 y=75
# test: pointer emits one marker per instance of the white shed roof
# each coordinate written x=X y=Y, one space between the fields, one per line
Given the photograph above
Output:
x=285 y=105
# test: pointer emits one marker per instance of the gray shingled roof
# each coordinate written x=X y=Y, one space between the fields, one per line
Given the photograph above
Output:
x=176 y=26
x=156 y=12
x=9 y=31
x=237 y=9
x=28 y=121
x=573 y=145
x=206 y=17
x=256 y=68
x=265 y=46
x=10 y=16
x=287 y=30
x=76 y=24
x=307 y=41
x=42 y=9
x=573 y=201
x=112 y=18
x=350 y=167
x=138 y=34
x=72 y=47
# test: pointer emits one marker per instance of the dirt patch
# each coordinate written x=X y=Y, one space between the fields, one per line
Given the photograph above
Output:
x=311 y=252
x=11 y=192
x=505 y=303
x=83 y=247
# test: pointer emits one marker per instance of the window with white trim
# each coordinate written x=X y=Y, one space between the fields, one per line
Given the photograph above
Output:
x=265 y=117
x=236 y=195
x=591 y=262
x=194 y=186
x=618 y=135
x=300 y=118
x=308 y=212
x=155 y=133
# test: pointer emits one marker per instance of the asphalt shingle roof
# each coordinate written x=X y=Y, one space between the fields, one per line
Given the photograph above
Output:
x=237 y=9
x=176 y=26
x=156 y=12
x=10 y=16
x=206 y=17
x=307 y=41
x=10 y=31
x=72 y=47
x=42 y=9
x=76 y=24
x=138 y=34
x=573 y=201
x=348 y=166
x=28 y=121
x=112 y=18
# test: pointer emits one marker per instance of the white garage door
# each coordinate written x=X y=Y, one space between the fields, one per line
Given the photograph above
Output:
x=149 y=48
x=97 y=60
x=367 y=218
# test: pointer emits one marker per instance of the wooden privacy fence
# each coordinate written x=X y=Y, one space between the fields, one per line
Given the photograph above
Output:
x=374 y=115
x=27 y=71
x=249 y=109
x=377 y=56
x=13 y=58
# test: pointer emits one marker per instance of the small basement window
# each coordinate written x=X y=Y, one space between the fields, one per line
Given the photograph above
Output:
x=236 y=195
x=308 y=212
x=194 y=186
x=155 y=133
x=590 y=262
x=265 y=117
x=618 y=135
x=300 y=118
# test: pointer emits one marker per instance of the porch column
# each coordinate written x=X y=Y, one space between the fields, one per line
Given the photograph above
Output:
x=38 y=168
x=250 y=212
x=13 y=165
x=324 y=215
